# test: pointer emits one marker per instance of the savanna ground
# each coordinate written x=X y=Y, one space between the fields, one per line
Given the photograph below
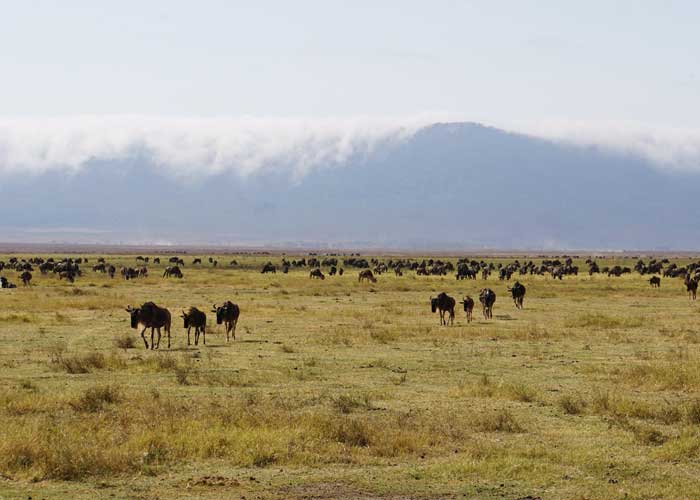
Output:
x=335 y=389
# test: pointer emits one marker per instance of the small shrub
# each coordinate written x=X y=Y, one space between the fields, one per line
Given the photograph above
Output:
x=692 y=412
x=571 y=405
x=345 y=403
x=499 y=421
x=82 y=363
x=182 y=374
x=350 y=431
x=96 y=398
x=125 y=341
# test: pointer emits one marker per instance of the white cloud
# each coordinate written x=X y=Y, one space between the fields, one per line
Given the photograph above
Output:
x=187 y=146
x=665 y=147
x=195 y=145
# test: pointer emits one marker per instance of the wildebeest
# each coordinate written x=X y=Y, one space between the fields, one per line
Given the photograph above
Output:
x=367 y=275
x=316 y=273
x=194 y=318
x=340 y=271
x=227 y=314
x=68 y=275
x=443 y=303
x=111 y=270
x=156 y=260
x=487 y=297
x=518 y=293
x=269 y=268
x=143 y=272
x=26 y=278
x=332 y=271
x=150 y=316
x=128 y=273
x=196 y=261
x=468 y=303
x=172 y=272
x=655 y=282
x=6 y=284
x=691 y=286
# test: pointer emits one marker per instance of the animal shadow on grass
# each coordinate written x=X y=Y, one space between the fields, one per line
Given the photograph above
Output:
x=505 y=317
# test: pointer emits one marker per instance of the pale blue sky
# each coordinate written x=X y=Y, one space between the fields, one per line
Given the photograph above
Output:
x=488 y=60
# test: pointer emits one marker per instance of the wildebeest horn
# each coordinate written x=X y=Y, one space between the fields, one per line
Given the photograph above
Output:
x=128 y=308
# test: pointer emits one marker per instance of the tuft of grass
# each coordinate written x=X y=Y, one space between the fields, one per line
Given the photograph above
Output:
x=499 y=421
x=601 y=321
x=96 y=398
x=571 y=405
x=82 y=363
x=346 y=403
x=125 y=341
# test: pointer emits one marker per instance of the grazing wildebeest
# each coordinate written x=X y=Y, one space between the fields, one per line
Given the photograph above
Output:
x=99 y=268
x=156 y=260
x=518 y=293
x=194 y=318
x=143 y=272
x=468 y=303
x=69 y=275
x=197 y=261
x=367 y=275
x=443 y=303
x=332 y=271
x=150 y=316
x=340 y=271
x=26 y=278
x=227 y=314
x=111 y=270
x=655 y=282
x=691 y=286
x=172 y=272
x=487 y=297
x=316 y=273
x=6 y=284
x=128 y=273
x=269 y=268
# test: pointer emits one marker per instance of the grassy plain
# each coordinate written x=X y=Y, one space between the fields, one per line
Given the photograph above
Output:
x=335 y=389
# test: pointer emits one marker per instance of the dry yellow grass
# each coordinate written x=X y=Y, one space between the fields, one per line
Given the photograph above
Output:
x=349 y=390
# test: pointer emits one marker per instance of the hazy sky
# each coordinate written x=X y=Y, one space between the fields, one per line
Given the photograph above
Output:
x=495 y=61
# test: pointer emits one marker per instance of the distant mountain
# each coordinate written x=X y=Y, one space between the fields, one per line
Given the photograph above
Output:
x=456 y=185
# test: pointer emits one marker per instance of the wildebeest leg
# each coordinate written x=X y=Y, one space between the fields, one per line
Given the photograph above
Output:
x=204 y=335
x=153 y=346
x=143 y=336
x=233 y=328
x=158 y=329
x=188 y=336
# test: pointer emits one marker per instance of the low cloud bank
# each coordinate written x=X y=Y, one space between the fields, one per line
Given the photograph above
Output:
x=200 y=146
x=665 y=147
x=194 y=145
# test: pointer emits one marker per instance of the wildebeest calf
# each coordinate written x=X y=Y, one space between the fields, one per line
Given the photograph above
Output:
x=194 y=318
x=468 y=303
x=655 y=282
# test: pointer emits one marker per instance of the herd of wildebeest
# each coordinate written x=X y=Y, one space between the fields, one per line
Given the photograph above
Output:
x=150 y=315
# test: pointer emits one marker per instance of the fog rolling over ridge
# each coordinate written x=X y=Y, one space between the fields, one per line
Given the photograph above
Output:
x=449 y=186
